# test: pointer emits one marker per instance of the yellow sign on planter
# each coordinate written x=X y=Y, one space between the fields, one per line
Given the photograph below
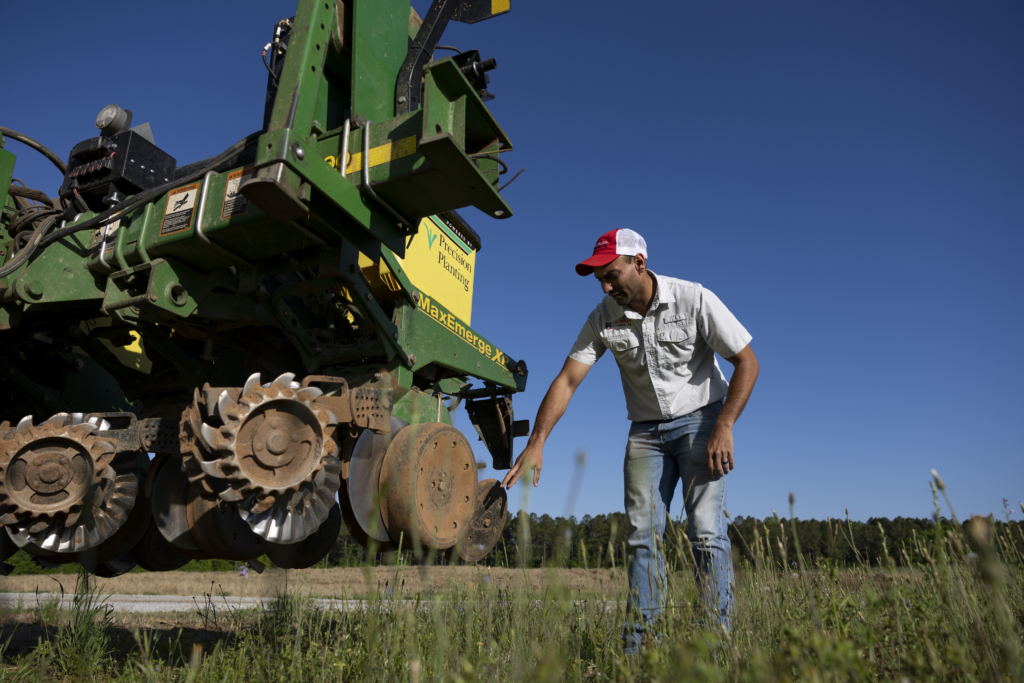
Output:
x=440 y=261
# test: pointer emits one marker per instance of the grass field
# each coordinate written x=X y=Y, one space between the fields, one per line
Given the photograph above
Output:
x=955 y=615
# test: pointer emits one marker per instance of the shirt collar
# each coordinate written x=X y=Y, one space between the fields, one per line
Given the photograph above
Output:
x=659 y=298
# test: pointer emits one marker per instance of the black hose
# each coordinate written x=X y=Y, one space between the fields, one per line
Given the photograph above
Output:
x=492 y=157
x=27 y=193
x=146 y=195
x=39 y=147
x=28 y=217
x=269 y=70
x=29 y=248
x=510 y=181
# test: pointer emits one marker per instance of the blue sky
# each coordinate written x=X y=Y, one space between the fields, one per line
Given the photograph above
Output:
x=847 y=177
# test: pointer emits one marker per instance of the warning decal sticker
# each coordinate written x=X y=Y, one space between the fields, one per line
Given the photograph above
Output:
x=235 y=203
x=181 y=205
x=111 y=229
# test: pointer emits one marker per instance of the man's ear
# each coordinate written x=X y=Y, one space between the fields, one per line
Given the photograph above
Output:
x=640 y=263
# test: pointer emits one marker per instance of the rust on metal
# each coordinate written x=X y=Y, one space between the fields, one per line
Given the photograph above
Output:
x=428 y=481
x=266 y=449
x=486 y=523
x=126 y=536
x=58 y=488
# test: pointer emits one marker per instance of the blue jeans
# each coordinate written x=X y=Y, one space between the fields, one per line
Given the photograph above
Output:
x=658 y=455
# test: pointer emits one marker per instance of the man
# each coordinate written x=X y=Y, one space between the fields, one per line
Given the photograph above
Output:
x=664 y=334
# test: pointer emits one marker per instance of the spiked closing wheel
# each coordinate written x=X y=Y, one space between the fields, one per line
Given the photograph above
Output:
x=428 y=480
x=57 y=487
x=271 y=452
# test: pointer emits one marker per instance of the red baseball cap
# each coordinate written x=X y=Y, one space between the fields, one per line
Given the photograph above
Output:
x=610 y=246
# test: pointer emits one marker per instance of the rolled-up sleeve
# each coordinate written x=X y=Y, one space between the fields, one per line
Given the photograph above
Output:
x=588 y=347
x=719 y=327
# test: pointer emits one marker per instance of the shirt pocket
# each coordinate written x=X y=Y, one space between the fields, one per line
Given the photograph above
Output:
x=623 y=343
x=676 y=337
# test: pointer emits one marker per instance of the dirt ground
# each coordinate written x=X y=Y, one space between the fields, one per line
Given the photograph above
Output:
x=328 y=583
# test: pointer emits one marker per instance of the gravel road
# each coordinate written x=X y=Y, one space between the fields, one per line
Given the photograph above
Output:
x=167 y=603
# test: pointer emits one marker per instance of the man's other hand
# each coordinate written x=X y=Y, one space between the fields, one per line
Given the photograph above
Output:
x=744 y=375
x=720 y=460
x=532 y=457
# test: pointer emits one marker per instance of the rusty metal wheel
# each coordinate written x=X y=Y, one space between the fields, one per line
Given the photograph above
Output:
x=430 y=477
x=487 y=522
x=113 y=550
x=271 y=452
x=58 y=489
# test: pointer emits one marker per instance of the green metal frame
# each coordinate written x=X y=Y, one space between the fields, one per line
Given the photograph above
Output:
x=303 y=214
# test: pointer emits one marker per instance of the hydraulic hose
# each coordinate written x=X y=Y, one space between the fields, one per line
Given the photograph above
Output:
x=40 y=239
x=37 y=146
x=29 y=248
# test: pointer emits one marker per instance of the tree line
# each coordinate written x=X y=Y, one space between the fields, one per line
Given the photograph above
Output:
x=600 y=541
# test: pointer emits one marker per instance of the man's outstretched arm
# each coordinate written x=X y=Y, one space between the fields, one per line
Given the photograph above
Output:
x=551 y=410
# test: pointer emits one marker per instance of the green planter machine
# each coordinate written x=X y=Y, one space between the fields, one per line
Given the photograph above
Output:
x=285 y=325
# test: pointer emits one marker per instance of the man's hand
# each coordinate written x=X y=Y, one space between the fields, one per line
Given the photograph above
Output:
x=744 y=376
x=720 y=461
x=532 y=457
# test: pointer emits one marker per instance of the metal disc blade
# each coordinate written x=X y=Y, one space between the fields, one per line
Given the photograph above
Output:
x=364 y=479
x=487 y=523
x=169 y=500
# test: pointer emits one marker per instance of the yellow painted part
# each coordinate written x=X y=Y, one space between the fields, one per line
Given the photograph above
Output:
x=383 y=154
x=437 y=263
x=499 y=6
x=133 y=355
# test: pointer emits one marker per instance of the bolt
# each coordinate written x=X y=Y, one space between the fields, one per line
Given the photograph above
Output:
x=299 y=153
x=287 y=313
x=261 y=290
x=152 y=296
x=396 y=336
x=487 y=522
x=416 y=297
x=78 y=364
x=369 y=297
x=34 y=289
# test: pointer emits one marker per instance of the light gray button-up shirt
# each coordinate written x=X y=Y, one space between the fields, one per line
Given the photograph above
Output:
x=667 y=357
